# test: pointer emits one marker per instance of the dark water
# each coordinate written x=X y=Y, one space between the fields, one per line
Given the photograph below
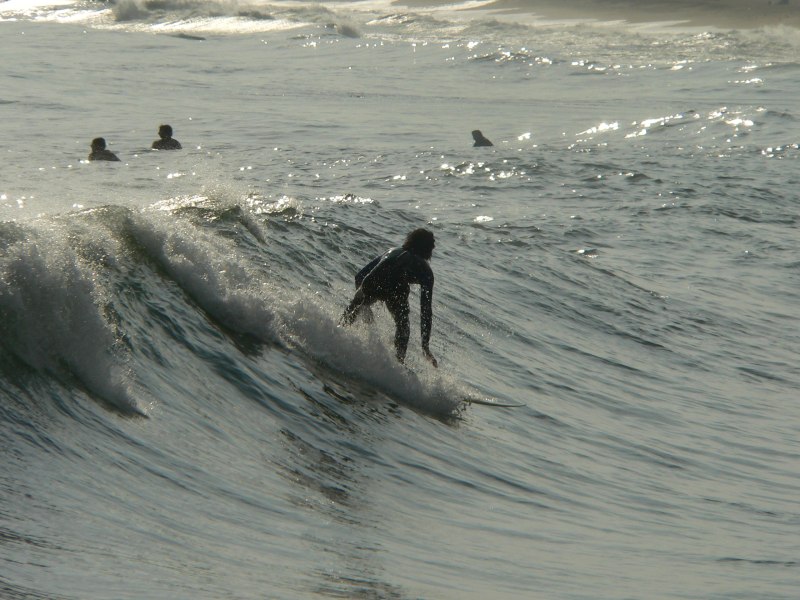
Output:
x=180 y=416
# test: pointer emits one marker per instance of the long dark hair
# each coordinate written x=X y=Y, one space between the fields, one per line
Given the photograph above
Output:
x=420 y=242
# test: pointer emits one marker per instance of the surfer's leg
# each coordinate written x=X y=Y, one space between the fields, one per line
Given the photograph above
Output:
x=359 y=304
x=399 y=311
x=351 y=312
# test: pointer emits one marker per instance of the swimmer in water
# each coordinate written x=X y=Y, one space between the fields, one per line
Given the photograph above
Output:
x=167 y=142
x=100 y=152
x=480 y=140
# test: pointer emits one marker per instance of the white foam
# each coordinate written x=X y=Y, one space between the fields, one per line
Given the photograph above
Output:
x=366 y=354
x=26 y=6
x=53 y=321
x=212 y=272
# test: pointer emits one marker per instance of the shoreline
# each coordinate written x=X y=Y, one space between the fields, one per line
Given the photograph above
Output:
x=720 y=14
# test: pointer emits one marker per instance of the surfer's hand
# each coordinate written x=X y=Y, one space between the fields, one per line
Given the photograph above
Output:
x=430 y=357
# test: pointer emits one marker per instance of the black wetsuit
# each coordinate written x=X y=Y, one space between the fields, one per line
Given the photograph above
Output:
x=480 y=139
x=388 y=278
x=166 y=144
x=103 y=154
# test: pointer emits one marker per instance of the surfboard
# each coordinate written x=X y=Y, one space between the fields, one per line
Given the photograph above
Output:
x=492 y=402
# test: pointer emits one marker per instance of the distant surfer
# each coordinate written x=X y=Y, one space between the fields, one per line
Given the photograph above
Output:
x=100 y=152
x=167 y=142
x=388 y=279
x=480 y=140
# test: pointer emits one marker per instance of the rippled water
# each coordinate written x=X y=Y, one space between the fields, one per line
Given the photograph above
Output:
x=180 y=416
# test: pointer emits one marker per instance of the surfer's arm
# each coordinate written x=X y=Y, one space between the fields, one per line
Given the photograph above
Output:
x=426 y=314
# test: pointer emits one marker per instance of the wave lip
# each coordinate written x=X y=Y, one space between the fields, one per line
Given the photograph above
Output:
x=52 y=316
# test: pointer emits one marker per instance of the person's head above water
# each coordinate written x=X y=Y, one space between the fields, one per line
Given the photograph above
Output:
x=165 y=131
x=480 y=139
x=100 y=152
x=165 y=140
x=420 y=242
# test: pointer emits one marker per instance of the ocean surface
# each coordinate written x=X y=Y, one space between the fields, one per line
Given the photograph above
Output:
x=181 y=417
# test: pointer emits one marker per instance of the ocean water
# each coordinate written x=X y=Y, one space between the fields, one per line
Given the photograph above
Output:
x=181 y=417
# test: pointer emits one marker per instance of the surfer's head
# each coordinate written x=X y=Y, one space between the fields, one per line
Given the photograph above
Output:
x=165 y=132
x=98 y=144
x=420 y=242
x=480 y=139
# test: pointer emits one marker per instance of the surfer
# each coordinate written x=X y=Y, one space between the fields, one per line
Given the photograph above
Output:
x=100 y=152
x=167 y=142
x=480 y=140
x=388 y=279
